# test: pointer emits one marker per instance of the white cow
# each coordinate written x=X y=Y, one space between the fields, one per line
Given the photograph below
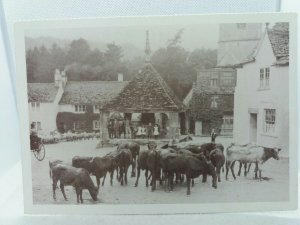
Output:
x=249 y=154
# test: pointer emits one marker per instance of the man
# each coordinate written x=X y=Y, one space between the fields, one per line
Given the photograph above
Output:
x=34 y=139
x=150 y=131
x=127 y=128
x=213 y=136
x=116 y=128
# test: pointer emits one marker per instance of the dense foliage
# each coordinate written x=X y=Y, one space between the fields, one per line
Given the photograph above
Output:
x=175 y=64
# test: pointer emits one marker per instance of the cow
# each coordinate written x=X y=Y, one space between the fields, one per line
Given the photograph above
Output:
x=149 y=161
x=189 y=165
x=249 y=154
x=218 y=159
x=70 y=176
x=135 y=150
x=123 y=160
x=97 y=166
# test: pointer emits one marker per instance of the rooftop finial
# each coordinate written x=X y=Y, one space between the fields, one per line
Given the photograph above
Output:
x=147 y=48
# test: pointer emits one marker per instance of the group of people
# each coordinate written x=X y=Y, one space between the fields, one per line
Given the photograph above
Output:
x=127 y=129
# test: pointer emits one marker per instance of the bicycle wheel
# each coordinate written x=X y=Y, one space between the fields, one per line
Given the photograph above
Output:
x=40 y=152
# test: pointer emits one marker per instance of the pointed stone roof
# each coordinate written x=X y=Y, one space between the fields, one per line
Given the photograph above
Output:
x=146 y=92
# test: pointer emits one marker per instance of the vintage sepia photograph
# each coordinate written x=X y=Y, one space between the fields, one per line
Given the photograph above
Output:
x=189 y=111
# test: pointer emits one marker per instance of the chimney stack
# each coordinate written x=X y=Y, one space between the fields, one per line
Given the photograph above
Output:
x=120 y=77
x=60 y=78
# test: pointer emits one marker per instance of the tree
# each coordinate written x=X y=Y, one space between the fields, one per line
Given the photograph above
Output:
x=79 y=49
x=114 y=53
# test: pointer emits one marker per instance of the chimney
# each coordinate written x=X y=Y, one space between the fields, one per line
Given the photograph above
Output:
x=120 y=77
x=57 y=78
x=60 y=78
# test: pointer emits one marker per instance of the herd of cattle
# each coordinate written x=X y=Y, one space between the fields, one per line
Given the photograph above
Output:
x=170 y=162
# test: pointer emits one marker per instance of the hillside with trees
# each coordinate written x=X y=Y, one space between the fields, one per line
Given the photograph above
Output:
x=82 y=62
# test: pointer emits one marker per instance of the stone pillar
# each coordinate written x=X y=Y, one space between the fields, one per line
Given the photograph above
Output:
x=157 y=118
x=104 y=115
x=174 y=125
x=187 y=122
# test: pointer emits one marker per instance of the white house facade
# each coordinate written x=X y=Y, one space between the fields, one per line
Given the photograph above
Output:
x=261 y=100
x=43 y=99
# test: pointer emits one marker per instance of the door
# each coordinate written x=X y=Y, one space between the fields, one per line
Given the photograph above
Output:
x=253 y=127
x=198 y=128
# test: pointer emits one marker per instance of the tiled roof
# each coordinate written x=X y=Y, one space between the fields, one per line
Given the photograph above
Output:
x=279 y=38
x=41 y=92
x=91 y=92
x=146 y=92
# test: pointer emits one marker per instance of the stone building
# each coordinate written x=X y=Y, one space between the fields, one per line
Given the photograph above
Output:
x=147 y=93
x=210 y=101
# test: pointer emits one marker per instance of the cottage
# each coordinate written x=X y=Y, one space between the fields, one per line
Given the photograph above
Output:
x=261 y=103
x=43 y=99
x=79 y=107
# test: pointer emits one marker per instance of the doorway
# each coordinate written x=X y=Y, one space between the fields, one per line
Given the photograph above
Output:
x=253 y=127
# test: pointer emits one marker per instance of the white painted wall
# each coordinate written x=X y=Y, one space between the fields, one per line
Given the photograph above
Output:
x=46 y=114
x=66 y=108
x=248 y=97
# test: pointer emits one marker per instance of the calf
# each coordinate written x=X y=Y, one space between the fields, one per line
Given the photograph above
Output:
x=70 y=176
x=188 y=165
x=123 y=160
x=253 y=154
x=135 y=150
x=97 y=166
x=149 y=161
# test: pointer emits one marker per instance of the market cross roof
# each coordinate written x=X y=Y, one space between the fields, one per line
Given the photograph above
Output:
x=91 y=92
x=146 y=92
x=41 y=92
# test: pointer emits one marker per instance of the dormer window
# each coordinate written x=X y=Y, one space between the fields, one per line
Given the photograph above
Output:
x=80 y=108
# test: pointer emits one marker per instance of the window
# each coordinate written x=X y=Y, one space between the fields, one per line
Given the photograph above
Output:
x=80 y=108
x=227 y=79
x=213 y=82
x=227 y=122
x=261 y=78
x=241 y=25
x=214 y=103
x=264 y=78
x=96 y=109
x=96 y=125
x=79 y=125
x=39 y=126
x=35 y=105
x=270 y=121
x=34 y=125
x=267 y=70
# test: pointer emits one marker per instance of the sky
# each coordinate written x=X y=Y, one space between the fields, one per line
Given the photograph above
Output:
x=194 y=36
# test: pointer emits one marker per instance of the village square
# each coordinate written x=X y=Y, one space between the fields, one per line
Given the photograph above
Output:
x=227 y=96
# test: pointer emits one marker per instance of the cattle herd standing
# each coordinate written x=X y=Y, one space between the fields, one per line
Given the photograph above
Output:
x=178 y=161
